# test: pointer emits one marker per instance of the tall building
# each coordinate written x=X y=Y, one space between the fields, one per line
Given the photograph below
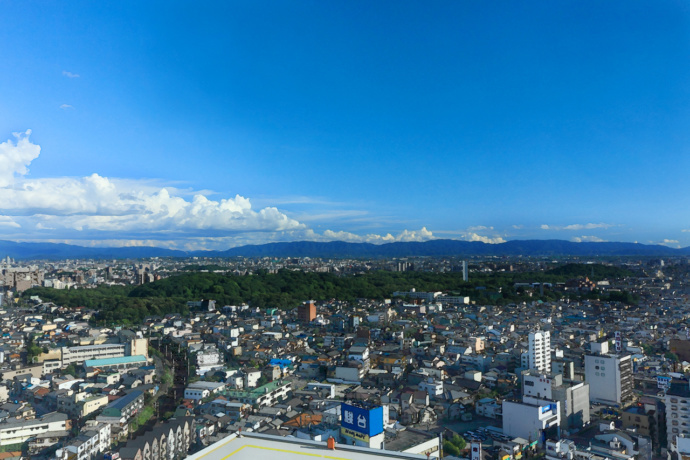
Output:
x=538 y=355
x=610 y=378
x=306 y=312
x=677 y=422
x=572 y=396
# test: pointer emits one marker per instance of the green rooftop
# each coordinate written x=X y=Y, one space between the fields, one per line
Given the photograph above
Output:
x=255 y=392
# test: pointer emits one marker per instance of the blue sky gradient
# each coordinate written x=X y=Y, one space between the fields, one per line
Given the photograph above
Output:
x=344 y=120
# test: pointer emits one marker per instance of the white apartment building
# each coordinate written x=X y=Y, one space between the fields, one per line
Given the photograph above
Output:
x=433 y=387
x=265 y=396
x=610 y=378
x=80 y=354
x=678 y=417
x=538 y=354
x=13 y=431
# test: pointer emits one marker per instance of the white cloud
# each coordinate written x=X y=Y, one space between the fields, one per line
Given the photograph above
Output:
x=6 y=221
x=100 y=204
x=590 y=238
x=66 y=106
x=99 y=211
x=70 y=74
x=15 y=157
x=484 y=239
x=405 y=235
x=589 y=226
x=470 y=234
x=685 y=230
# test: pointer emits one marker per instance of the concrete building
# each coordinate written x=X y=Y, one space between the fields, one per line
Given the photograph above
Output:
x=264 y=396
x=642 y=422
x=529 y=418
x=21 y=279
x=573 y=397
x=610 y=379
x=201 y=390
x=80 y=404
x=538 y=355
x=306 y=312
x=119 y=365
x=14 y=431
x=678 y=413
x=80 y=354
x=119 y=412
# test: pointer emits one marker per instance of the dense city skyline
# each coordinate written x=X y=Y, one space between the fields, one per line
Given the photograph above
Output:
x=217 y=125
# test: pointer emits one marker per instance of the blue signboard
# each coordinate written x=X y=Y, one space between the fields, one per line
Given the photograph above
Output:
x=361 y=420
x=550 y=407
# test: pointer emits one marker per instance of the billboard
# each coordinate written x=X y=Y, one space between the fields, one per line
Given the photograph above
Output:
x=619 y=343
x=354 y=434
x=549 y=408
x=368 y=422
x=663 y=383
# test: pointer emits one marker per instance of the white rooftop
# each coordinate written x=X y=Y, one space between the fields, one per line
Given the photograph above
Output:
x=253 y=446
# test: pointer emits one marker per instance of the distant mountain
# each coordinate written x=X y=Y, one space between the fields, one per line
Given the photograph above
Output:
x=341 y=249
x=57 y=251
x=450 y=248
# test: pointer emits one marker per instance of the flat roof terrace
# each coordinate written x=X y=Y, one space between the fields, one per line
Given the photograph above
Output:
x=253 y=446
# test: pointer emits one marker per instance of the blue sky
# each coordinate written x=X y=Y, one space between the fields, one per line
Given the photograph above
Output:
x=214 y=125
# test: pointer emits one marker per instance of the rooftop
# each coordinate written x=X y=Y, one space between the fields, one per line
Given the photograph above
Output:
x=251 y=446
x=256 y=392
x=114 y=361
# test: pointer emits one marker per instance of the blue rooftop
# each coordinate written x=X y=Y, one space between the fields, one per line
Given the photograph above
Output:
x=114 y=361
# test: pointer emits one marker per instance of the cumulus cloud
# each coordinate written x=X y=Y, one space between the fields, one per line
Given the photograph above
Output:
x=98 y=211
x=70 y=74
x=589 y=226
x=590 y=238
x=66 y=106
x=102 y=204
x=484 y=239
x=405 y=235
x=15 y=157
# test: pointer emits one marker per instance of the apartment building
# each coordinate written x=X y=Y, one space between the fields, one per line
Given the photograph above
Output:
x=610 y=378
x=89 y=352
x=538 y=354
x=119 y=412
x=13 y=431
x=677 y=412
x=264 y=396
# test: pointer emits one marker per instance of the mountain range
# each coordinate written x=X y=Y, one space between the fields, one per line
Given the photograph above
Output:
x=341 y=249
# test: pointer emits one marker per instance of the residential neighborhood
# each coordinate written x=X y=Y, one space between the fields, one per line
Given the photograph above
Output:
x=420 y=372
